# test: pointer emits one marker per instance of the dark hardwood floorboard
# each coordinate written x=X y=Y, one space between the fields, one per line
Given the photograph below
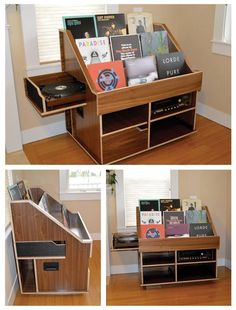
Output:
x=210 y=145
x=124 y=289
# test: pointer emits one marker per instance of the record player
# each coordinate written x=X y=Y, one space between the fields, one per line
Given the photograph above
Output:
x=53 y=92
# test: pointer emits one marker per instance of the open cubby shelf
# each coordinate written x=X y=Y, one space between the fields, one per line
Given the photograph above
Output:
x=95 y=119
x=26 y=268
x=173 y=260
x=124 y=119
x=163 y=274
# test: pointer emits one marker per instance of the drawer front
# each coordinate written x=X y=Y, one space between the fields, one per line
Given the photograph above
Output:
x=124 y=143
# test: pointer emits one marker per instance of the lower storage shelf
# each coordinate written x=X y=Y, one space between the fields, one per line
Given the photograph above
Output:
x=27 y=275
x=172 y=128
x=160 y=274
x=196 y=272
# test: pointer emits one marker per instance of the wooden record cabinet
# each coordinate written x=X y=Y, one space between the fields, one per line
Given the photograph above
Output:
x=52 y=246
x=117 y=124
x=178 y=260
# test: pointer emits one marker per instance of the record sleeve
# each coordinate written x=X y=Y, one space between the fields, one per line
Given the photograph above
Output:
x=110 y=25
x=139 y=22
x=173 y=217
x=125 y=47
x=154 y=231
x=107 y=75
x=149 y=205
x=150 y=217
x=80 y=26
x=200 y=230
x=196 y=216
x=94 y=50
x=170 y=205
x=191 y=204
x=154 y=43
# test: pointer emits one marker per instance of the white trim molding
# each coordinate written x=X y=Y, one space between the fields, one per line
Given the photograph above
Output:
x=213 y=114
x=118 y=269
x=222 y=48
x=222 y=30
x=43 y=132
x=224 y=262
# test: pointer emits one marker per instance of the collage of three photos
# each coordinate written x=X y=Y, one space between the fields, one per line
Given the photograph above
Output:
x=118 y=155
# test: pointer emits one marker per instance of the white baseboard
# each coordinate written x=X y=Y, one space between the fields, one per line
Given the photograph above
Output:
x=224 y=262
x=43 y=132
x=124 y=268
x=96 y=236
x=12 y=295
x=214 y=115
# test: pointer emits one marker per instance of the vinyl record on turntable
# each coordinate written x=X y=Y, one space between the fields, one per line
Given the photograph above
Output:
x=61 y=90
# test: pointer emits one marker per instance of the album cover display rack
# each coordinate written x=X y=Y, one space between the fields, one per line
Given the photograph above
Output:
x=117 y=124
x=52 y=246
x=178 y=260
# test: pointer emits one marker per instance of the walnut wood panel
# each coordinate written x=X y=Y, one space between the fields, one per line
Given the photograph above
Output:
x=171 y=244
x=132 y=96
x=73 y=271
x=36 y=193
x=32 y=225
x=86 y=127
x=124 y=143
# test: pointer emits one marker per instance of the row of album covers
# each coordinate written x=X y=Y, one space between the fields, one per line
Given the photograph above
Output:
x=116 y=58
x=168 y=218
x=161 y=218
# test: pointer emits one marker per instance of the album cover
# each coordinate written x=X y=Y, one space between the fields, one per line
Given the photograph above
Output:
x=152 y=231
x=110 y=25
x=170 y=205
x=154 y=43
x=22 y=189
x=107 y=75
x=139 y=22
x=191 y=204
x=171 y=64
x=94 y=50
x=150 y=217
x=149 y=205
x=196 y=216
x=80 y=26
x=141 y=70
x=177 y=229
x=125 y=47
x=14 y=192
x=173 y=217
x=200 y=230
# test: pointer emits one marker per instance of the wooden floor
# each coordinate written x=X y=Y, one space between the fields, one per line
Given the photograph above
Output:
x=210 y=145
x=125 y=290
x=91 y=298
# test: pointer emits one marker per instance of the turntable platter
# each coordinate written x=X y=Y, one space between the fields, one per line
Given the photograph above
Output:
x=61 y=90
